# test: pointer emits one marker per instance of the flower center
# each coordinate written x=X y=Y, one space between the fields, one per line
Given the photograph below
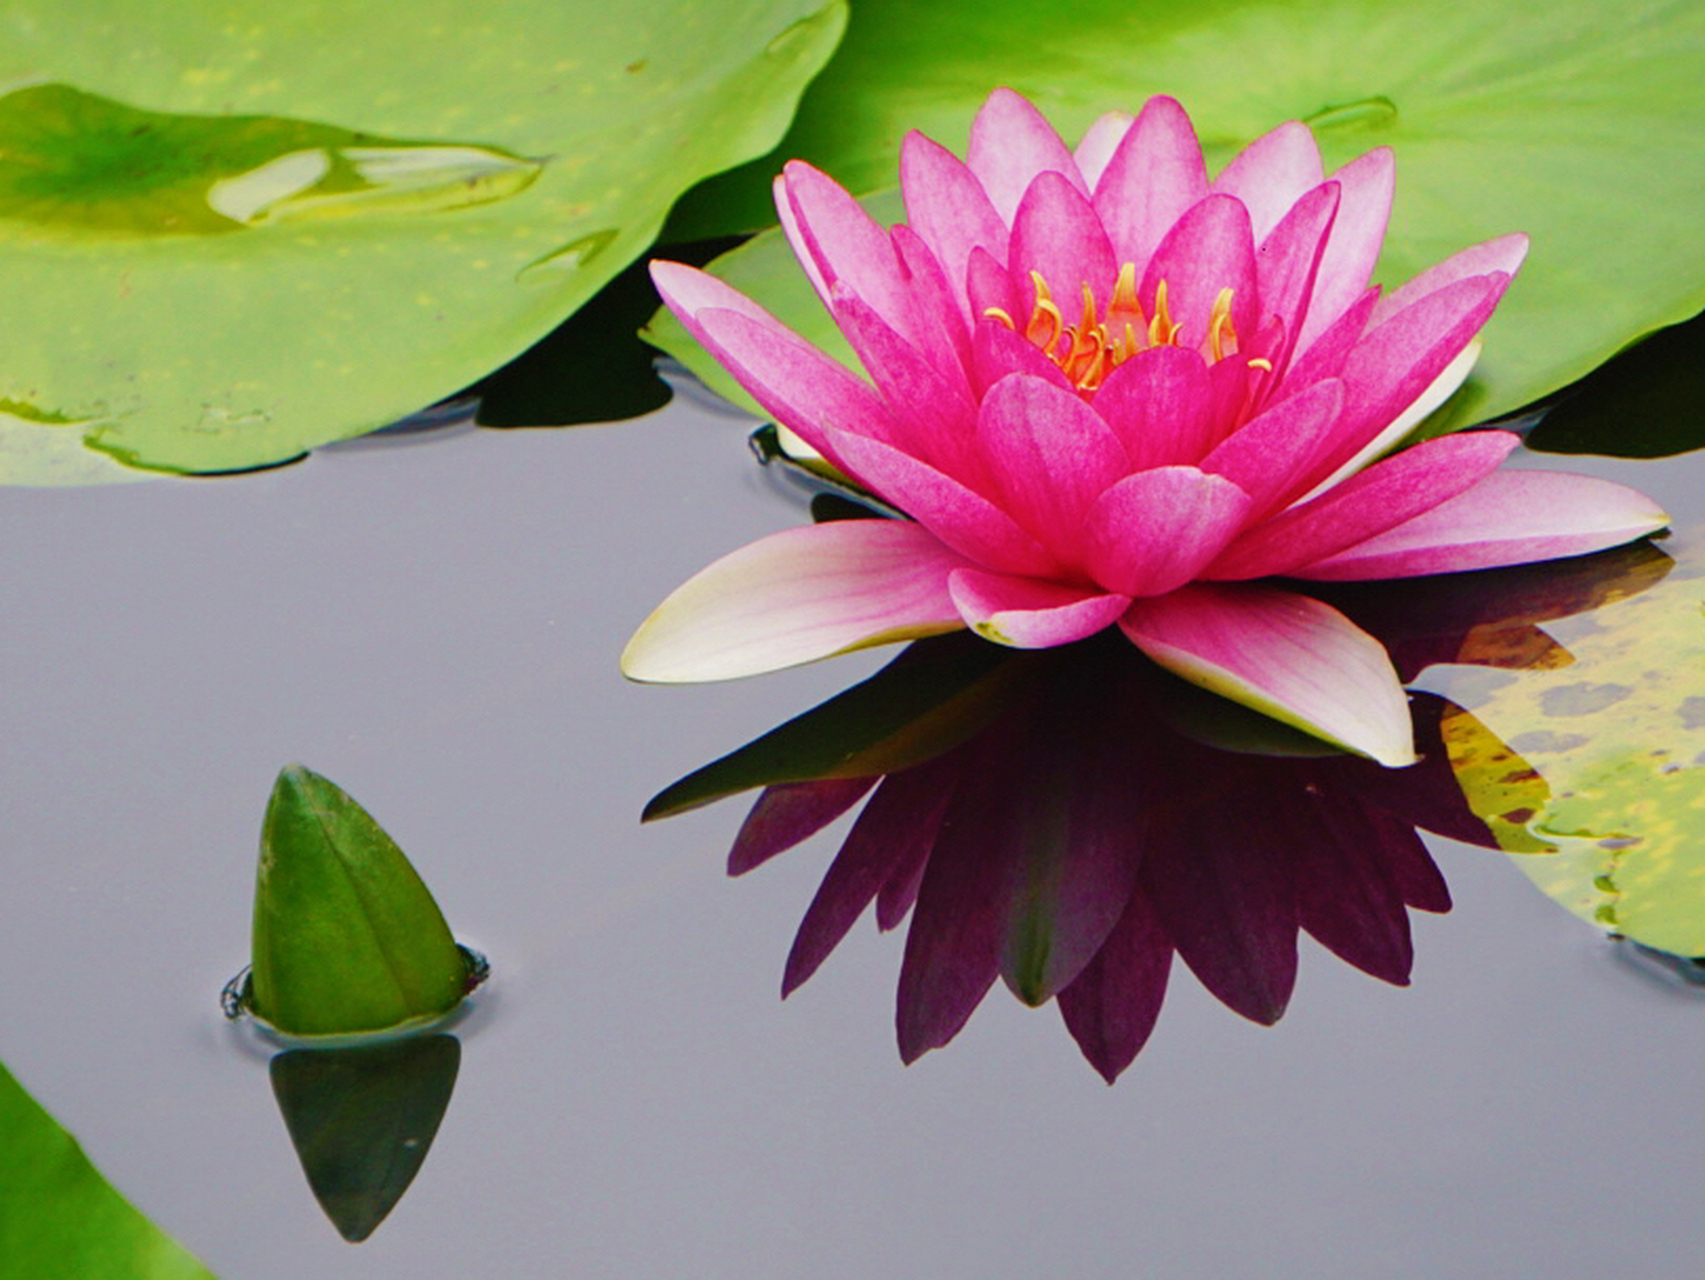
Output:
x=1086 y=352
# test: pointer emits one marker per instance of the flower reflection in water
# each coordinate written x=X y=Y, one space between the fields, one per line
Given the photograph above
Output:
x=1068 y=820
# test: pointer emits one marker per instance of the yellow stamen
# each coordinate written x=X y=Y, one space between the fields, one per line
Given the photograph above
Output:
x=995 y=313
x=1260 y=363
x=1220 y=327
x=1044 y=309
x=1161 y=329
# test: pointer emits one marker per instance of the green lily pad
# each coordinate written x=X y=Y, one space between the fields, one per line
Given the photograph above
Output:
x=59 y=1217
x=1580 y=123
x=1602 y=783
x=232 y=234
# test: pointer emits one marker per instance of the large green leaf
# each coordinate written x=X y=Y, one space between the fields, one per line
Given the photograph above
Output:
x=230 y=233
x=1579 y=122
x=60 y=1218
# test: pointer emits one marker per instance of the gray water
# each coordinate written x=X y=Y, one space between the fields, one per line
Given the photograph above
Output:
x=434 y=622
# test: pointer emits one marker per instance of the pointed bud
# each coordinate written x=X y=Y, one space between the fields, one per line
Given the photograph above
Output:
x=346 y=937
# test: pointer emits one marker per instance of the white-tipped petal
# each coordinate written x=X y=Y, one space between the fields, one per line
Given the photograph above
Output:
x=797 y=596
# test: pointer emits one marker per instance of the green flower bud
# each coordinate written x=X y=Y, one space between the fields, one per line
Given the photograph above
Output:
x=346 y=937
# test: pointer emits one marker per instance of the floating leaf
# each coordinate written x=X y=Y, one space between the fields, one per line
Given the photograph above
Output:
x=346 y=937
x=362 y=1120
x=257 y=231
x=1605 y=763
x=1649 y=402
x=1580 y=123
x=60 y=1218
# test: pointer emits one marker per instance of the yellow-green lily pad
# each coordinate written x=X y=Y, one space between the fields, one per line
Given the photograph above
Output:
x=231 y=233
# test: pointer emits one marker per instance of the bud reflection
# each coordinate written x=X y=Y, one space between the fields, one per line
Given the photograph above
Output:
x=362 y=1120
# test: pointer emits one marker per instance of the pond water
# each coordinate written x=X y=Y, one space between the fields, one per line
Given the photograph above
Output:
x=433 y=621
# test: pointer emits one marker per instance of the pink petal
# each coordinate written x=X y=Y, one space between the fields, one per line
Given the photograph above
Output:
x=831 y=229
x=1098 y=144
x=789 y=812
x=1056 y=234
x=1358 y=232
x=1029 y=613
x=1154 y=176
x=936 y=413
x=1504 y=254
x=1156 y=530
x=796 y=596
x=1272 y=173
x=1394 y=433
x=1510 y=517
x=1271 y=456
x=1288 y=262
x=997 y=351
x=1157 y=403
x=1369 y=503
x=948 y=208
x=1048 y=456
x=801 y=387
x=1010 y=144
x=1209 y=249
x=1285 y=655
x=988 y=284
x=956 y=514
x=1396 y=363
x=938 y=320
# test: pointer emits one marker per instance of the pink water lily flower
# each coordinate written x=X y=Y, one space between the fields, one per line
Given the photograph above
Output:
x=1109 y=391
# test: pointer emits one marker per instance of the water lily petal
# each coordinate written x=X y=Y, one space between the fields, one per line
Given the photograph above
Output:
x=1048 y=456
x=1156 y=530
x=1264 y=455
x=1364 y=207
x=831 y=229
x=1286 y=655
x=1209 y=249
x=1401 y=362
x=1368 y=503
x=1288 y=264
x=1504 y=254
x=1158 y=404
x=896 y=828
x=1010 y=144
x=960 y=516
x=1348 y=845
x=939 y=325
x=796 y=596
x=1031 y=613
x=1098 y=144
x=936 y=413
x=997 y=351
x=1389 y=437
x=788 y=813
x=1056 y=234
x=1154 y=176
x=948 y=208
x=1111 y=1007
x=1222 y=891
x=1509 y=517
x=1272 y=173
x=804 y=389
